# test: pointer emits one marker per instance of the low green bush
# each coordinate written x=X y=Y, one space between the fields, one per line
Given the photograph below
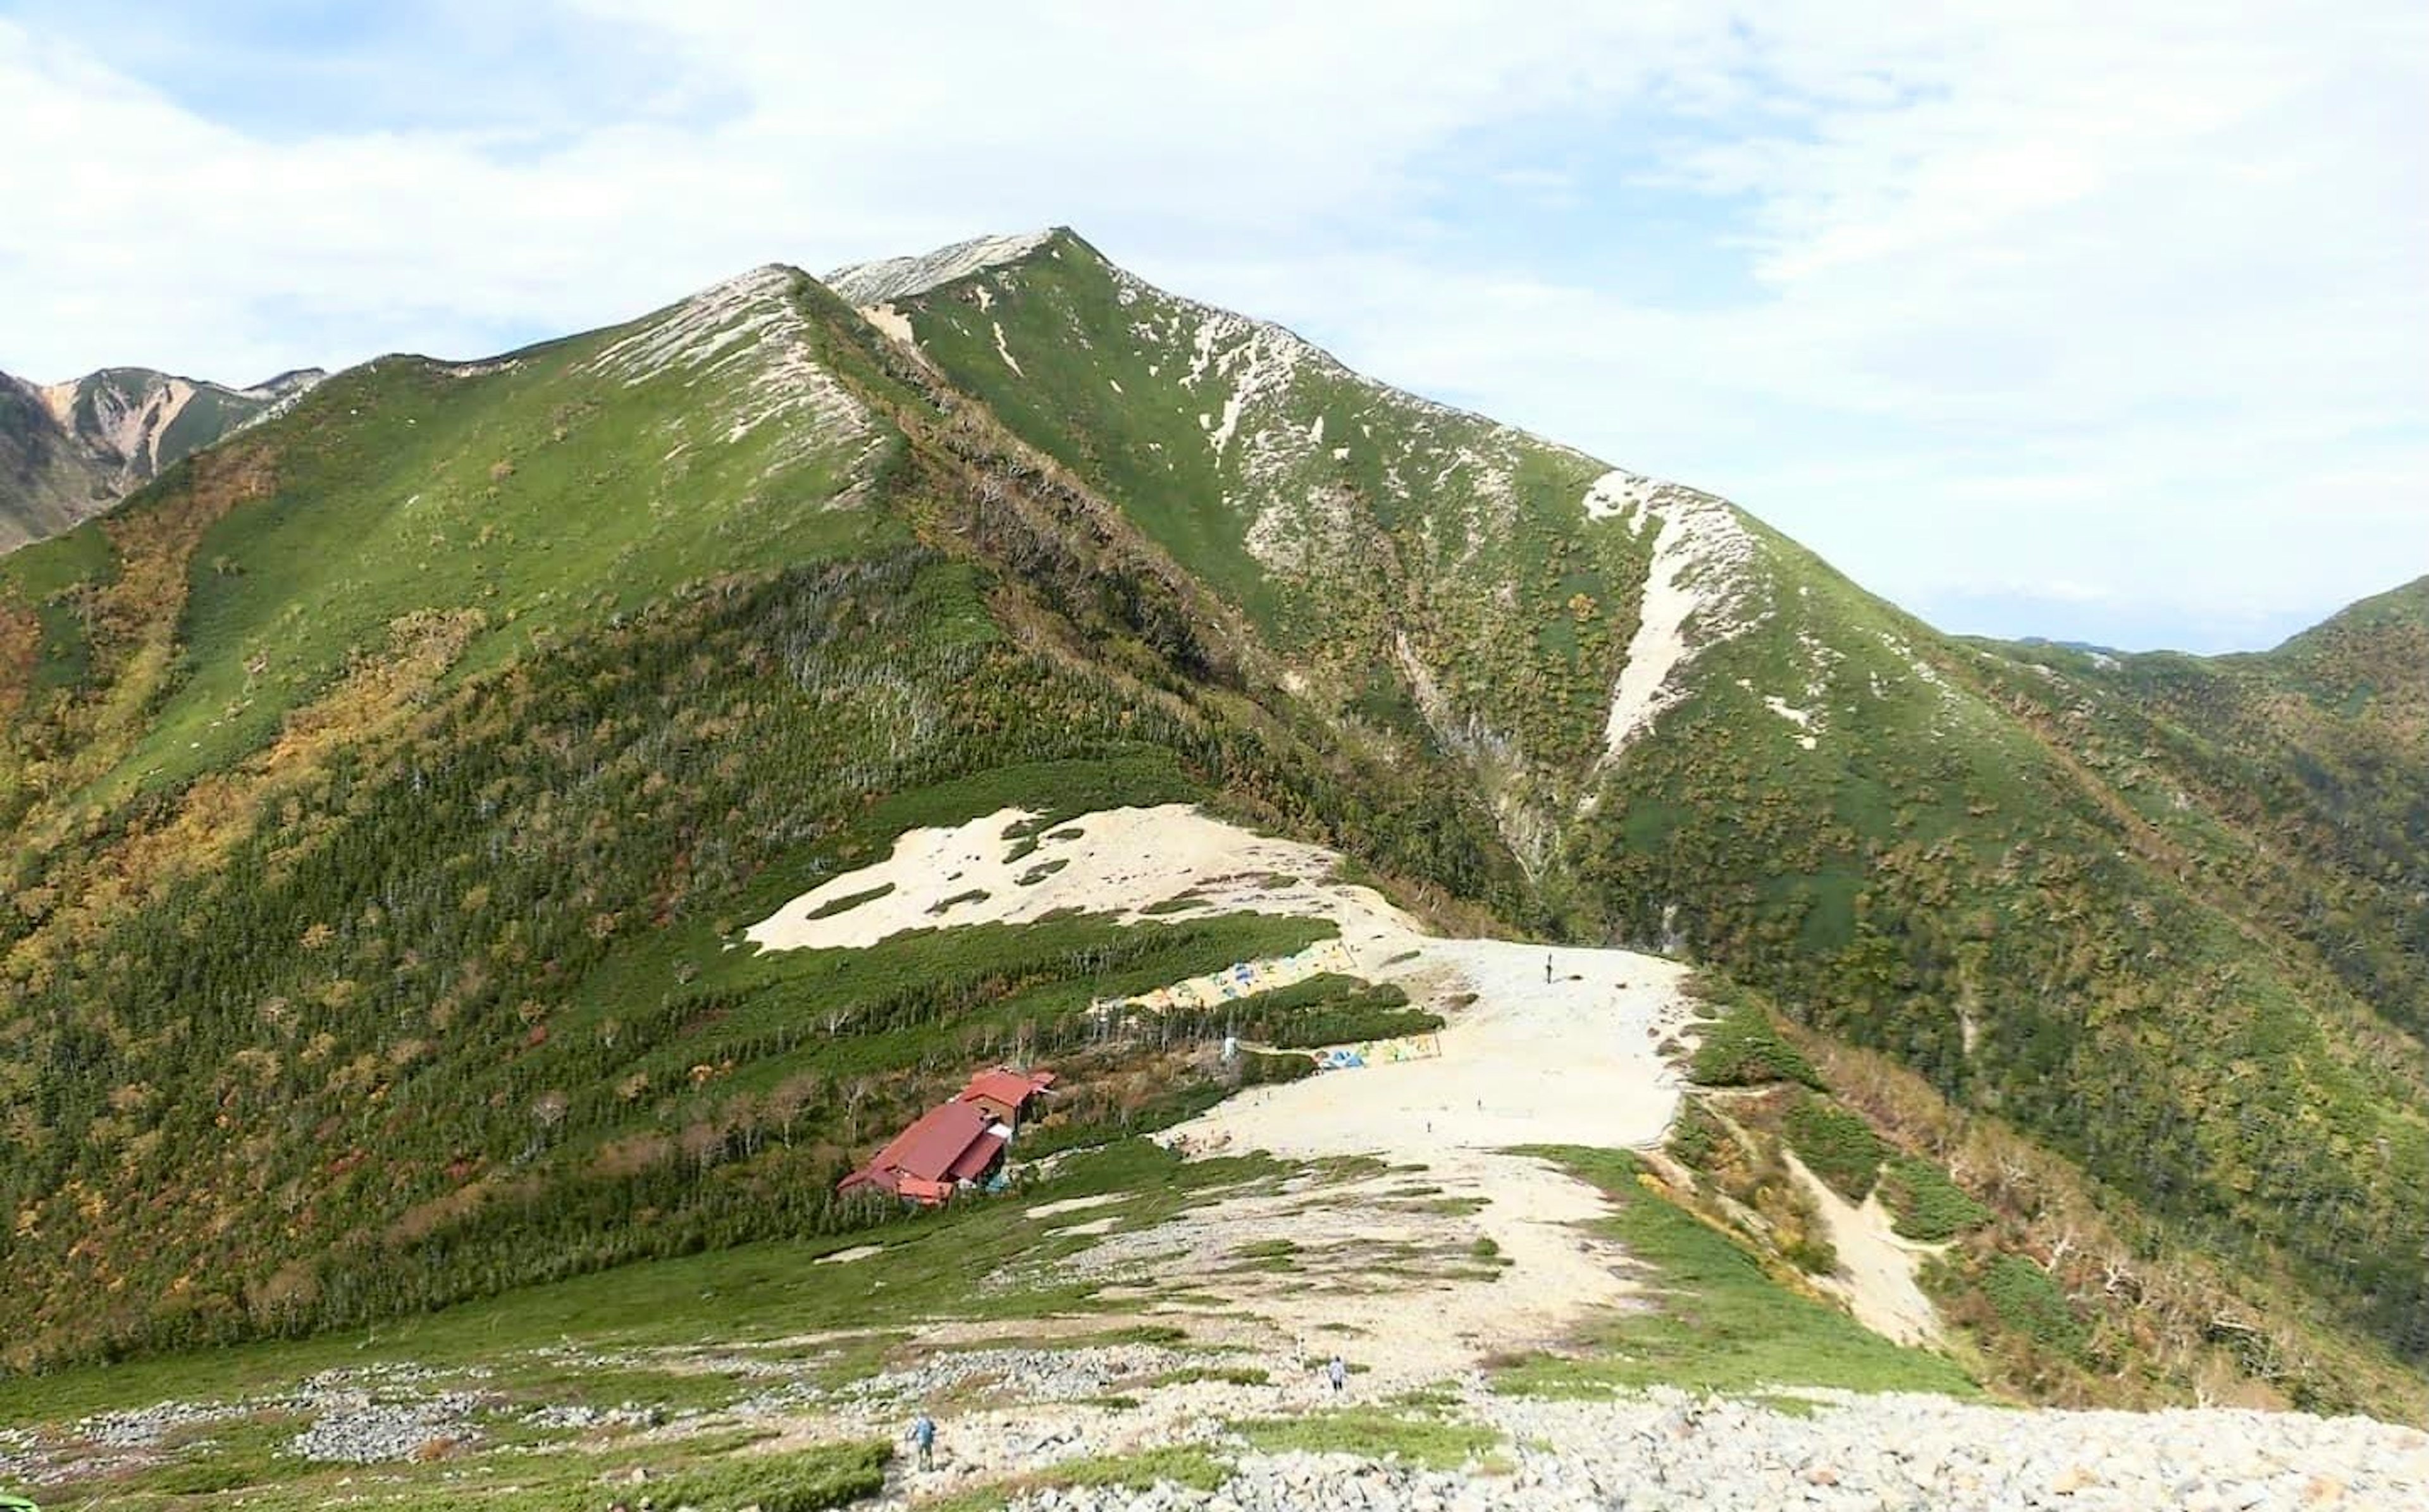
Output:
x=1695 y=1136
x=849 y=901
x=1373 y=1434
x=1257 y=1069
x=2028 y=1301
x=1812 y=1253
x=1926 y=1204
x=1836 y=1145
x=1742 y=1049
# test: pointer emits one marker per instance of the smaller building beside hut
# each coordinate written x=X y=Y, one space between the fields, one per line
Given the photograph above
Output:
x=1008 y=1094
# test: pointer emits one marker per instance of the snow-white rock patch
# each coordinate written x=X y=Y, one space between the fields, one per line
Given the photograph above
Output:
x=1700 y=558
x=896 y=278
x=1005 y=351
x=746 y=339
x=1802 y=719
x=1221 y=434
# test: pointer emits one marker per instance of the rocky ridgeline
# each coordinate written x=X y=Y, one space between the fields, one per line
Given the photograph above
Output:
x=1890 y=1453
x=384 y=1414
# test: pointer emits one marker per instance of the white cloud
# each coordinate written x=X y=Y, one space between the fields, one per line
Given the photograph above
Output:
x=2122 y=300
x=773 y=133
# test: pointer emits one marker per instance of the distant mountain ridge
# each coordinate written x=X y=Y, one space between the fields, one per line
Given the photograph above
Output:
x=69 y=451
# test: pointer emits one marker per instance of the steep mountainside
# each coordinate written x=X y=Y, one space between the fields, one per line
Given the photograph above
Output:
x=2063 y=895
x=69 y=450
x=388 y=786
x=1425 y=576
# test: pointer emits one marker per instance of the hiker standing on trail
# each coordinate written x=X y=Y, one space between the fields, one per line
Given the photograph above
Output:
x=923 y=1434
x=1548 y=971
x=1339 y=1373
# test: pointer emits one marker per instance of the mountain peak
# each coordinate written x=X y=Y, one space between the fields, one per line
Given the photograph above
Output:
x=70 y=449
x=294 y=382
x=892 y=279
x=749 y=336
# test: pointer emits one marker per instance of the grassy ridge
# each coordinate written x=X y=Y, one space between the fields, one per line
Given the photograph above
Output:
x=751 y=1308
x=448 y=1127
x=1353 y=523
x=532 y=497
x=709 y=1477
x=740 y=1296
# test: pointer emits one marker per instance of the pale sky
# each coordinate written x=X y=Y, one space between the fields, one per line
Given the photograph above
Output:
x=2105 y=321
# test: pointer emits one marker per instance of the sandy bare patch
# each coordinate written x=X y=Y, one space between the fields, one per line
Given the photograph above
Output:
x=858 y=1252
x=1074 y=1205
x=1117 y=861
x=1875 y=1276
x=892 y=321
x=1566 y=1061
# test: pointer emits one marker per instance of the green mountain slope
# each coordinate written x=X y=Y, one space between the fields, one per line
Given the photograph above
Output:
x=69 y=450
x=1412 y=565
x=1699 y=736
x=387 y=784
x=386 y=787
